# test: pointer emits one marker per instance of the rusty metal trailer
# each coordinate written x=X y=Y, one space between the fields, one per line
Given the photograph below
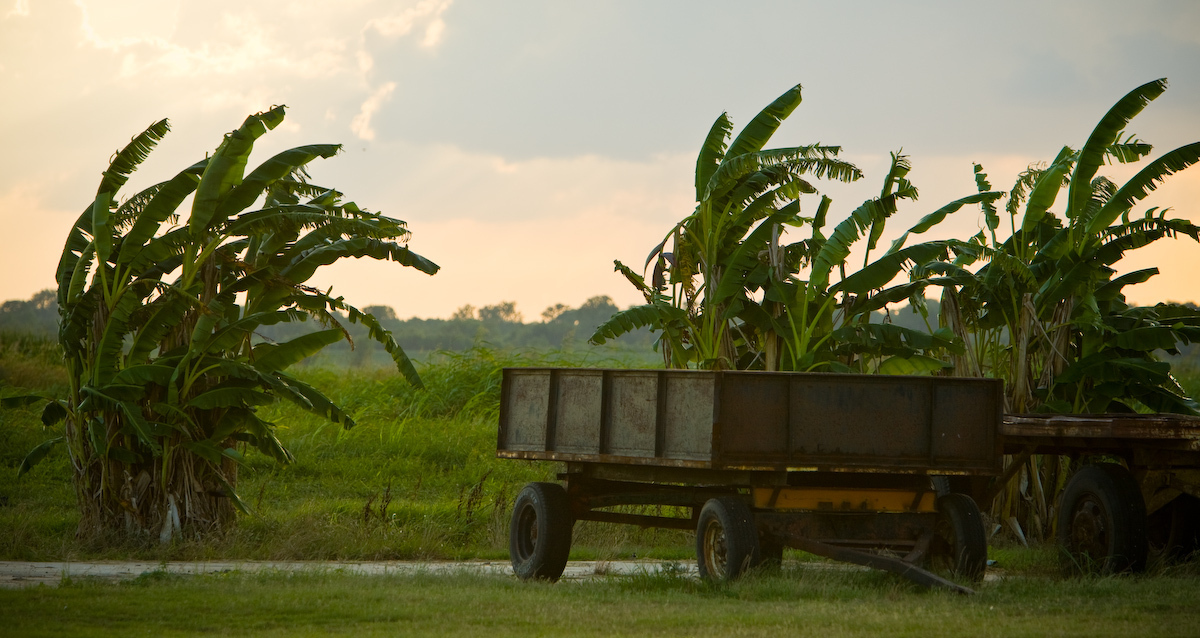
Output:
x=1140 y=486
x=834 y=464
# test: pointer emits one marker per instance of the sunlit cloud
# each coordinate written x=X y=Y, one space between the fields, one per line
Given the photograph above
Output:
x=426 y=14
x=249 y=101
x=361 y=125
x=126 y=17
x=402 y=23
x=239 y=43
x=21 y=8
x=433 y=33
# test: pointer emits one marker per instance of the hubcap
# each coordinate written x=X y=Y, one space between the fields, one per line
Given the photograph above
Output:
x=1089 y=529
x=943 y=550
x=715 y=552
x=527 y=532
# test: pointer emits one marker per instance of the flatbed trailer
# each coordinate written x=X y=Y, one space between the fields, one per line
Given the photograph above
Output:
x=1140 y=485
x=834 y=464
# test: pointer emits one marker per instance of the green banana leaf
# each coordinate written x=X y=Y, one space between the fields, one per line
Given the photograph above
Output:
x=1107 y=133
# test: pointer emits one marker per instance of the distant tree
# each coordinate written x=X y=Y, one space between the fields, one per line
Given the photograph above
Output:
x=594 y=312
x=381 y=312
x=38 y=315
x=597 y=302
x=504 y=312
x=552 y=312
x=464 y=313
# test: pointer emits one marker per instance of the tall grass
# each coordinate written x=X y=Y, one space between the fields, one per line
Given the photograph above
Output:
x=1187 y=373
x=416 y=477
x=30 y=362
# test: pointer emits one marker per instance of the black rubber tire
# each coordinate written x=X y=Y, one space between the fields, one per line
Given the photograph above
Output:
x=1174 y=530
x=726 y=539
x=539 y=538
x=960 y=541
x=1102 y=521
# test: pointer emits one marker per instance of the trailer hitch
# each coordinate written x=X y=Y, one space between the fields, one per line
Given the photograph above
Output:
x=900 y=567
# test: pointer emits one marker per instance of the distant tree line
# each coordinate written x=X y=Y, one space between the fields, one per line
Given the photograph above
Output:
x=499 y=325
x=37 y=316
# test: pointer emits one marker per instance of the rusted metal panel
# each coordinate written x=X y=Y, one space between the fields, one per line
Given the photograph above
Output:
x=655 y=471
x=752 y=421
x=1103 y=426
x=864 y=422
x=524 y=407
x=688 y=417
x=550 y=455
x=1142 y=439
x=955 y=406
x=590 y=492
x=866 y=529
x=843 y=498
x=846 y=421
x=633 y=403
x=577 y=426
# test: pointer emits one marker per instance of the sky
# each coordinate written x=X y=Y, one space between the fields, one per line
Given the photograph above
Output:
x=529 y=143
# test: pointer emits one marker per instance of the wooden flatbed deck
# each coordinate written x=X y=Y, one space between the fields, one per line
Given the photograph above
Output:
x=1122 y=434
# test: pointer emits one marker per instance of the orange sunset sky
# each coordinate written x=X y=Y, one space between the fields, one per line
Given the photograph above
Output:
x=529 y=143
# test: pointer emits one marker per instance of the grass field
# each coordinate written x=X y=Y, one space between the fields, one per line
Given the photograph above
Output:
x=801 y=600
x=417 y=479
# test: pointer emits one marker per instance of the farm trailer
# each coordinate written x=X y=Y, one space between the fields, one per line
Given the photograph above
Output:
x=1141 y=486
x=833 y=464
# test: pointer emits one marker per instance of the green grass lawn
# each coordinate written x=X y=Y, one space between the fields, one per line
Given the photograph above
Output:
x=802 y=600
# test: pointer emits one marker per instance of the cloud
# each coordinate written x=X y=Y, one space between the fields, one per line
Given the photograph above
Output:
x=433 y=33
x=449 y=182
x=238 y=44
x=229 y=38
x=400 y=24
x=21 y=8
x=361 y=125
x=426 y=13
x=244 y=47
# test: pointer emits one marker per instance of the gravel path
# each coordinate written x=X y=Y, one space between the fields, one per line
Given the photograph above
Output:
x=16 y=575
x=19 y=575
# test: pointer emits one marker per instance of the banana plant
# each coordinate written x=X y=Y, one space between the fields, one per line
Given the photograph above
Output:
x=159 y=317
x=1044 y=308
x=725 y=292
x=830 y=324
x=745 y=196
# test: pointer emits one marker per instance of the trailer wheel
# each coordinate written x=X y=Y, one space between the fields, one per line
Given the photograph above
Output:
x=960 y=542
x=726 y=539
x=539 y=538
x=1102 y=521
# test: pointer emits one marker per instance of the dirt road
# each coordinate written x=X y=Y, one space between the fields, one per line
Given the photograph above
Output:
x=15 y=575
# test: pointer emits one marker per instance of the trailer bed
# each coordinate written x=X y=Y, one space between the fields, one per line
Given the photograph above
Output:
x=752 y=421
x=1073 y=430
